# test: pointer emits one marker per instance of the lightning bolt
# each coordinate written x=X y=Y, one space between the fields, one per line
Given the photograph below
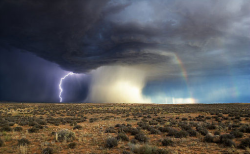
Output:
x=60 y=85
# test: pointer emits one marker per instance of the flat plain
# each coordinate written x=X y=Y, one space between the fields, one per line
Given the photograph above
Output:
x=124 y=128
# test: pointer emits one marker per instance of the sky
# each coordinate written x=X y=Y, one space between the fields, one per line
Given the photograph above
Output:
x=125 y=51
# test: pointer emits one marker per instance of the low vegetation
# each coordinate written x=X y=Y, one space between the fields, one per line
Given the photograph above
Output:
x=124 y=128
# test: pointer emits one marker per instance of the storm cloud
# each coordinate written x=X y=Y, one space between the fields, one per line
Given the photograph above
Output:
x=165 y=39
x=84 y=35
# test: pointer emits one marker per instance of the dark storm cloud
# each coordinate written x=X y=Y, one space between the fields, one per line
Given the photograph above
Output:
x=84 y=35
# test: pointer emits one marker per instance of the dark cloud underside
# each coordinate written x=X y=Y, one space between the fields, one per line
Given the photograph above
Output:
x=207 y=36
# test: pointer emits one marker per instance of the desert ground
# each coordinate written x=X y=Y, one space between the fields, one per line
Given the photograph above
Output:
x=124 y=128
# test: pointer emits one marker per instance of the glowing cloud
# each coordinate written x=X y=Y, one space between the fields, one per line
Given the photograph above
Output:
x=183 y=100
x=117 y=84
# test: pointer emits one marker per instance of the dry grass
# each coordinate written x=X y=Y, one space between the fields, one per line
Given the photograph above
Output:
x=48 y=120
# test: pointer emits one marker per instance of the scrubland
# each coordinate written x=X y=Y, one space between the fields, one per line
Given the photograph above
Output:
x=124 y=128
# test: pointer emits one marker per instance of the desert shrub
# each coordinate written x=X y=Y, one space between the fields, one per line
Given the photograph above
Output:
x=245 y=143
x=228 y=143
x=4 y=123
x=66 y=134
x=122 y=136
x=47 y=151
x=145 y=126
x=210 y=127
x=32 y=123
x=161 y=151
x=245 y=129
x=77 y=127
x=33 y=130
x=216 y=133
x=209 y=138
x=185 y=126
x=73 y=123
x=6 y=129
x=184 y=119
x=128 y=119
x=146 y=149
x=1 y=143
x=236 y=134
x=18 y=129
x=111 y=142
x=93 y=120
x=23 y=123
x=123 y=129
x=181 y=134
x=202 y=130
x=42 y=122
x=163 y=129
x=134 y=141
x=153 y=122
x=225 y=137
x=118 y=125
x=72 y=145
x=141 y=137
x=134 y=131
x=11 y=123
x=167 y=142
x=23 y=142
x=110 y=130
x=154 y=131
x=172 y=131
x=125 y=152
x=38 y=126
x=192 y=132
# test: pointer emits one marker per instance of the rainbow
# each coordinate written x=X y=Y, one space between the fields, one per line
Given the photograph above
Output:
x=184 y=75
